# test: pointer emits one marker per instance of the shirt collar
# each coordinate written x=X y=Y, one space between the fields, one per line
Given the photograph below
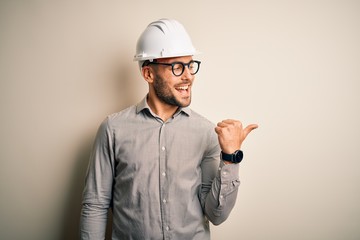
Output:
x=142 y=105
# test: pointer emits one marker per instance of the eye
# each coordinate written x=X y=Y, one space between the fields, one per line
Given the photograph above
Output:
x=177 y=67
x=192 y=65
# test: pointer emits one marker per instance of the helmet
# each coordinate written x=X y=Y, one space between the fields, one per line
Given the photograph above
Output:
x=162 y=39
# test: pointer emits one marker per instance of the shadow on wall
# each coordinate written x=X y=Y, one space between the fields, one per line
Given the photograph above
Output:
x=126 y=95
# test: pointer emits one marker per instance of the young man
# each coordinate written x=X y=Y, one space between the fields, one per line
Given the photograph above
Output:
x=164 y=170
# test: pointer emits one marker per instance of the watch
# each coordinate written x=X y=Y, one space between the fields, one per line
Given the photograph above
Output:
x=236 y=157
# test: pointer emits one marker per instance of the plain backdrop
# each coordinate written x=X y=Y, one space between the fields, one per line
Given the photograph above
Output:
x=293 y=67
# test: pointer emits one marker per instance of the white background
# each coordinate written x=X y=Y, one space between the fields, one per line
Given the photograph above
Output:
x=293 y=67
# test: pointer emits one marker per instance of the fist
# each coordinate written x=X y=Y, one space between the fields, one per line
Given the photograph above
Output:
x=231 y=134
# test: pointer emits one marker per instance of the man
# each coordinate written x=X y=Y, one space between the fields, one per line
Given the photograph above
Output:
x=158 y=164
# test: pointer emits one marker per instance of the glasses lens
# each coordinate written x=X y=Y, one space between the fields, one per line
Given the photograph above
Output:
x=193 y=67
x=178 y=69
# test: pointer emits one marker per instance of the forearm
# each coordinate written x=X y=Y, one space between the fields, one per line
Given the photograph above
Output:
x=93 y=221
x=223 y=193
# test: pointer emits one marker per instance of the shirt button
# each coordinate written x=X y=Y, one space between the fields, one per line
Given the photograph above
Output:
x=167 y=228
x=221 y=196
x=164 y=174
x=163 y=148
x=164 y=200
x=224 y=173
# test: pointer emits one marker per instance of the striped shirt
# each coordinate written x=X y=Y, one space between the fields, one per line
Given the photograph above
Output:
x=162 y=180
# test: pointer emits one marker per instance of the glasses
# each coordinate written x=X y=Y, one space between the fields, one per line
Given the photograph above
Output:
x=179 y=67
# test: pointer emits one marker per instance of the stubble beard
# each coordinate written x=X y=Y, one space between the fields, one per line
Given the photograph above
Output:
x=163 y=92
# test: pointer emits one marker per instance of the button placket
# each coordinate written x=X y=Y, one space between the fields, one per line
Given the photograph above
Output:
x=163 y=179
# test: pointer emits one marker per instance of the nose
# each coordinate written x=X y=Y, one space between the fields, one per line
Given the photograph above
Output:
x=186 y=74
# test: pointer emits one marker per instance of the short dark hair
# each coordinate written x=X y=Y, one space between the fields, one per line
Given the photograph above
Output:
x=147 y=62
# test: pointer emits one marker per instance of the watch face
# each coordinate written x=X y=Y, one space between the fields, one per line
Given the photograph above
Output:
x=238 y=156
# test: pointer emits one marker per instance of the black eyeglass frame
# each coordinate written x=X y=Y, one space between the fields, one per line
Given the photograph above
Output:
x=174 y=63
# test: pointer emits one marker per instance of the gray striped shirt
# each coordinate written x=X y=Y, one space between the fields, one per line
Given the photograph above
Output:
x=163 y=180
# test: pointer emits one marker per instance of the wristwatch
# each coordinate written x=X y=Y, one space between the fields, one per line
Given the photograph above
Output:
x=236 y=157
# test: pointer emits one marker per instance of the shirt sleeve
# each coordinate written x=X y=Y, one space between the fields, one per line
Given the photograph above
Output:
x=97 y=193
x=220 y=183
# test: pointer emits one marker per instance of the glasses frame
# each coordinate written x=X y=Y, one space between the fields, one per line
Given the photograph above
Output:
x=174 y=63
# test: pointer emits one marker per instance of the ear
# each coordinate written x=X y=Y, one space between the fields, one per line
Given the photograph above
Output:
x=148 y=74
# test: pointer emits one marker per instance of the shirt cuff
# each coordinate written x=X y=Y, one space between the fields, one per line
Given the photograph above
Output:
x=228 y=172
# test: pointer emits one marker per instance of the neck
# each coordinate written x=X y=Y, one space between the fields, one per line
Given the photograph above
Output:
x=163 y=110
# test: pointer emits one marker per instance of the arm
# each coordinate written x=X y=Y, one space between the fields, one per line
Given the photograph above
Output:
x=97 y=194
x=220 y=183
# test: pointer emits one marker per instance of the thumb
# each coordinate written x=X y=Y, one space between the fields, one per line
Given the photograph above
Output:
x=249 y=128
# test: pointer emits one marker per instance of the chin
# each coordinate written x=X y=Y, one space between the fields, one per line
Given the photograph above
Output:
x=185 y=104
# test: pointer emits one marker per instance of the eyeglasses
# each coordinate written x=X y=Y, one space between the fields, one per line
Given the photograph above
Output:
x=179 y=67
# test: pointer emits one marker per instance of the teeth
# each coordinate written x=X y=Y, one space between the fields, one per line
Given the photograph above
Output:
x=183 y=88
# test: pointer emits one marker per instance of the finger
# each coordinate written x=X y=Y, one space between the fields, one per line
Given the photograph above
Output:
x=230 y=121
x=218 y=130
x=222 y=124
x=249 y=128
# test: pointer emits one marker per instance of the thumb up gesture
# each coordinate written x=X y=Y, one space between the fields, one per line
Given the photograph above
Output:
x=231 y=134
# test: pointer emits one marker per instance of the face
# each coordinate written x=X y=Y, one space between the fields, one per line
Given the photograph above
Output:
x=170 y=89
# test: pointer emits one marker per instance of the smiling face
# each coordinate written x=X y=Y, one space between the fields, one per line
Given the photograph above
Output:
x=170 y=89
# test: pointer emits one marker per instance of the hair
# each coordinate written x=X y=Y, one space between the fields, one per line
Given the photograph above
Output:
x=145 y=63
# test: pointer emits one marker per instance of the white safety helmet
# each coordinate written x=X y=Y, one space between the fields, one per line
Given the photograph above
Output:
x=162 y=39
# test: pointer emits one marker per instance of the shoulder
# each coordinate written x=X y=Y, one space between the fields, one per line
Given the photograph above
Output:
x=205 y=128
x=201 y=124
x=201 y=120
x=118 y=118
x=125 y=113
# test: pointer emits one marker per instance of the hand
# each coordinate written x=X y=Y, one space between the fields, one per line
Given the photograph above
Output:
x=231 y=134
